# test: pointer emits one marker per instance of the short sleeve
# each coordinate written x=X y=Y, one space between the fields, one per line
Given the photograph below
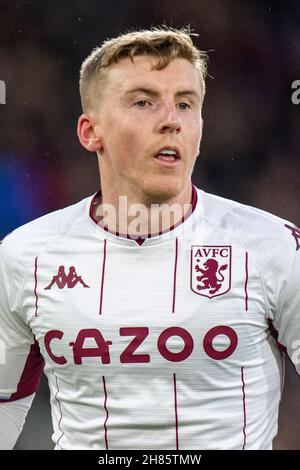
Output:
x=21 y=364
x=12 y=418
x=287 y=315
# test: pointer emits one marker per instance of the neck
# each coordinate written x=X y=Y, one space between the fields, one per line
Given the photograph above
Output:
x=141 y=216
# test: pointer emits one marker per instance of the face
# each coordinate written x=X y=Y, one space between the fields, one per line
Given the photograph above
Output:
x=150 y=126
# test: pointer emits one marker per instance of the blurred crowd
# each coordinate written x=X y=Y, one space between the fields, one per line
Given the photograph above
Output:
x=251 y=127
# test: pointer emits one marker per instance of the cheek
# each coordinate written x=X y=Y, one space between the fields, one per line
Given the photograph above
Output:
x=123 y=143
x=127 y=128
x=195 y=136
x=128 y=149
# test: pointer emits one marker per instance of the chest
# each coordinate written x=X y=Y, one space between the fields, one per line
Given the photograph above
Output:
x=162 y=304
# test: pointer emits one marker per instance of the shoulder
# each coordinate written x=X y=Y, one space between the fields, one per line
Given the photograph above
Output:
x=261 y=232
x=31 y=238
x=243 y=219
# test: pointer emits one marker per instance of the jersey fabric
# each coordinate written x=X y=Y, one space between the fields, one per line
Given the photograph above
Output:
x=12 y=417
x=164 y=344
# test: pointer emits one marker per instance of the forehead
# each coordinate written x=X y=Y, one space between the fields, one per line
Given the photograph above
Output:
x=178 y=74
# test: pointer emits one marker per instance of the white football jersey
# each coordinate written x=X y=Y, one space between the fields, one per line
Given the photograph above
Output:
x=164 y=344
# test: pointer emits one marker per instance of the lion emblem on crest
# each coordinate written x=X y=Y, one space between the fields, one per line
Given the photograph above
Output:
x=209 y=276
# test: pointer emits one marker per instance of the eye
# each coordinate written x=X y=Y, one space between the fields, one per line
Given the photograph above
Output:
x=183 y=106
x=142 y=103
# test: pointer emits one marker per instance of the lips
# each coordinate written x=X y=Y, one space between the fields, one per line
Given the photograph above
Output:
x=168 y=155
x=166 y=158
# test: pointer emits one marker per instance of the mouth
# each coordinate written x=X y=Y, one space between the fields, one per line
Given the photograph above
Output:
x=169 y=156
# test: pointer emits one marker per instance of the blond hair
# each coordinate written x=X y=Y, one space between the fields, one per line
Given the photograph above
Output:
x=164 y=43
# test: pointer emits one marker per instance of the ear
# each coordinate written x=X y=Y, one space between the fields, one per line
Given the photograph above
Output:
x=88 y=133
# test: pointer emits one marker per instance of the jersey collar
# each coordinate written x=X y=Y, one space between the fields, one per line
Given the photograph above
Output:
x=151 y=239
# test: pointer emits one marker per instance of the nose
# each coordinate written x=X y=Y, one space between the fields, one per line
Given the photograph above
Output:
x=169 y=121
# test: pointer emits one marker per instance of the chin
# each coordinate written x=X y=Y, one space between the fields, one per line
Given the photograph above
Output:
x=162 y=189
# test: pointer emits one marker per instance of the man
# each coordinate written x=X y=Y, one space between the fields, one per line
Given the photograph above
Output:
x=154 y=324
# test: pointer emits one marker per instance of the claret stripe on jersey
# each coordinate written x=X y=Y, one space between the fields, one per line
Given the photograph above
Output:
x=246 y=282
x=176 y=412
x=105 y=407
x=102 y=277
x=244 y=407
x=175 y=274
x=60 y=412
x=35 y=286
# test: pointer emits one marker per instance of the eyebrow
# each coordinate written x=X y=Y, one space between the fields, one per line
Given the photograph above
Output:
x=150 y=92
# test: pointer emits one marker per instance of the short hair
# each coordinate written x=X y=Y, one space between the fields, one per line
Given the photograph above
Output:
x=162 y=42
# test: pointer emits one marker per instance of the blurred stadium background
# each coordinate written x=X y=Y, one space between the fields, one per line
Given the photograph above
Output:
x=250 y=149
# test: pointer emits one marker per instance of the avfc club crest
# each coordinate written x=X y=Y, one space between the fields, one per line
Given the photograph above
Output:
x=210 y=270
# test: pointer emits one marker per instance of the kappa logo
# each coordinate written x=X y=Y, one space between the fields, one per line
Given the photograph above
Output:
x=210 y=270
x=70 y=280
x=296 y=234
